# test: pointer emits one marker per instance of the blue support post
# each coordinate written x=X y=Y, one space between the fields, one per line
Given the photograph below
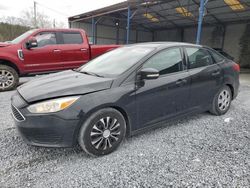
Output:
x=93 y=30
x=128 y=25
x=201 y=12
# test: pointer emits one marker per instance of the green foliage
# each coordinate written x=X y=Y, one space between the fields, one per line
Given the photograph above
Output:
x=245 y=48
x=9 y=32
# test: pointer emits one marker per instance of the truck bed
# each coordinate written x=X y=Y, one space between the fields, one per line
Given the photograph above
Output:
x=97 y=50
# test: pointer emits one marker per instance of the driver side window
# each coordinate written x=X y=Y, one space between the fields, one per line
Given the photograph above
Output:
x=45 y=39
x=166 y=61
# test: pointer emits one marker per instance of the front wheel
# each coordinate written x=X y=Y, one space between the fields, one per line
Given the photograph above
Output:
x=102 y=132
x=222 y=101
x=8 y=78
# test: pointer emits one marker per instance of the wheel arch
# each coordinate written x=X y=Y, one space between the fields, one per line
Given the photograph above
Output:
x=11 y=64
x=126 y=117
x=231 y=88
x=97 y=108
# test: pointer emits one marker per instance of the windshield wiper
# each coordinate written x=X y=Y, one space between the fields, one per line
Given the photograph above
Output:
x=91 y=73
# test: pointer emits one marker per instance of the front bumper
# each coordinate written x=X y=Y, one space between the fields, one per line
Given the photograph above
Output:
x=48 y=130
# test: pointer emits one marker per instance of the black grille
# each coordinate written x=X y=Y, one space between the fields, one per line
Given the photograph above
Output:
x=17 y=114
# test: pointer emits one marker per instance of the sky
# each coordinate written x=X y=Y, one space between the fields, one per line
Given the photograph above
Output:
x=59 y=10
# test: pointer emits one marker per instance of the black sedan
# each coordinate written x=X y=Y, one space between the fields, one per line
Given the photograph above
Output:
x=123 y=92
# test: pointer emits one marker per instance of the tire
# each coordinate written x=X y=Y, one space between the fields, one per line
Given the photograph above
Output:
x=9 y=78
x=102 y=132
x=222 y=101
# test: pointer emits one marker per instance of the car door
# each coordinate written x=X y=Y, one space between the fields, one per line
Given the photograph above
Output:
x=74 y=50
x=45 y=56
x=206 y=77
x=159 y=99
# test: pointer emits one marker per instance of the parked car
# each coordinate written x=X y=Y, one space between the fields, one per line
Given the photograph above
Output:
x=224 y=53
x=45 y=50
x=123 y=92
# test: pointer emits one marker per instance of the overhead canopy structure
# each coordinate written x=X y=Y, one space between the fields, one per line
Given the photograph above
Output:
x=167 y=14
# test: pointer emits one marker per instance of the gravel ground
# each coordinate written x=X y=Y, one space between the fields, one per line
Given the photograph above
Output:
x=199 y=151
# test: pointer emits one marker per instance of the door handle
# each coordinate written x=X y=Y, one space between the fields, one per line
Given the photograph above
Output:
x=56 y=50
x=83 y=49
x=181 y=81
x=215 y=73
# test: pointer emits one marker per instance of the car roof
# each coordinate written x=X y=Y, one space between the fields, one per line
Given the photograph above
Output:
x=164 y=44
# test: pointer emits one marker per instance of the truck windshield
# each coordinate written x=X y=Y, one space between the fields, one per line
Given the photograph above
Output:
x=115 y=62
x=23 y=36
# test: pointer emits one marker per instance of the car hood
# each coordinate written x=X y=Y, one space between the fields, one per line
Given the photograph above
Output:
x=4 y=44
x=61 y=84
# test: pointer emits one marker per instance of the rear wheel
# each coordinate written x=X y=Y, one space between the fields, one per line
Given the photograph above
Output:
x=102 y=132
x=8 y=78
x=222 y=101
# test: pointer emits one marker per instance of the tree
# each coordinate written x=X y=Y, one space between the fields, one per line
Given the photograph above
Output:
x=41 y=21
x=11 y=31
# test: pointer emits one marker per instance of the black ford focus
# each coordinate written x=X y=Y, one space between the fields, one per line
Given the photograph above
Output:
x=123 y=92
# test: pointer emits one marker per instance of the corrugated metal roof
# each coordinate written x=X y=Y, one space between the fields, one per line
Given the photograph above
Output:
x=217 y=12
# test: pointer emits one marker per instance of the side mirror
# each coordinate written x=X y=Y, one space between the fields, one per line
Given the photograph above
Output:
x=149 y=74
x=31 y=43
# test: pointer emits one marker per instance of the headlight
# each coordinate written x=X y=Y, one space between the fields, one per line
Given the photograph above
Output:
x=53 y=105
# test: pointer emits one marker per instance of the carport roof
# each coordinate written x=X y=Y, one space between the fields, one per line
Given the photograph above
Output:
x=166 y=14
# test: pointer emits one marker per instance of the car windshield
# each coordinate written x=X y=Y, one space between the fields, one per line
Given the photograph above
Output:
x=21 y=37
x=115 y=62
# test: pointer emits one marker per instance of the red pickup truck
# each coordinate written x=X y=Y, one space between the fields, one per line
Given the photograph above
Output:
x=45 y=50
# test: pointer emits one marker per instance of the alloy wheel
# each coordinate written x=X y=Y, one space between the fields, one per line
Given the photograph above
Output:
x=224 y=100
x=6 y=79
x=105 y=133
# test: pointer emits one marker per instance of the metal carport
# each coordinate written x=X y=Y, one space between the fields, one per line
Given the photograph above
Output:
x=158 y=15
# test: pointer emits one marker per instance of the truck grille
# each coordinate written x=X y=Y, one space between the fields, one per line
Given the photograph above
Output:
x=17 y=114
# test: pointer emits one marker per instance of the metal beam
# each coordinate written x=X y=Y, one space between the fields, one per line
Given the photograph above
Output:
x=205 y=25
x=201 y=12
x=158 y=14
x=128 y=25
x=208 y=11
x=223 y=37
x=93 y=30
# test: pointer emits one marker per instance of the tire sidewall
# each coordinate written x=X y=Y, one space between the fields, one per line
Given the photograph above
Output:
x=84 y=138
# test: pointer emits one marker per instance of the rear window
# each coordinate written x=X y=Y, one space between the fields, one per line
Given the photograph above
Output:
x=198 y=57
x=217 y=57
x=72 y=38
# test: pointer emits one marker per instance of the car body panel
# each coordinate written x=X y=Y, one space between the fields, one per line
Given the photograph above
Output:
x=61 y=84
x=164 y=96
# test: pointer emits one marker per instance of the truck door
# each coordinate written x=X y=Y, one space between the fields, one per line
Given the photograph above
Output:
x=74 y=50
x=44 y=57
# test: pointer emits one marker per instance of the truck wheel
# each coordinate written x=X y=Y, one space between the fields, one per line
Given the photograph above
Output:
x=102 y=132
x=222 y=101
x=8 y=78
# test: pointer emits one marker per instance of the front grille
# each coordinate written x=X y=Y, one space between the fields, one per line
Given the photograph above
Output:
x=17 y=114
